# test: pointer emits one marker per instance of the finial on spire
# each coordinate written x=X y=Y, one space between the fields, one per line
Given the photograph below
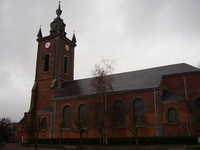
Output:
x=59 y=11
x=58 y=26
x=39 y=35
x=74 y=38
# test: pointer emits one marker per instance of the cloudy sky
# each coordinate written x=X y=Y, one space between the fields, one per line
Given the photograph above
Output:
x=139 y=34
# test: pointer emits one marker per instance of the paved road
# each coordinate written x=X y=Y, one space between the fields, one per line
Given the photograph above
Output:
x=19 y=147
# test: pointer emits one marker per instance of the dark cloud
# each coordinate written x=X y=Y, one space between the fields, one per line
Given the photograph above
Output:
x=138 y=33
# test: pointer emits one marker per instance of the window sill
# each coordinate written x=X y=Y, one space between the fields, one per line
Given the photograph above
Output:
x=66 y=128
x=119 y=127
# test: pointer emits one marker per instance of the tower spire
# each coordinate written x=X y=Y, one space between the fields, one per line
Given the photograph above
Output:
x=74 y=38
x=39 y=35
x=58 y=11
x=58 y=26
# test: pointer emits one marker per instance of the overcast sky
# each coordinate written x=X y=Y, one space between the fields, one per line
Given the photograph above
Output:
x=139 y=34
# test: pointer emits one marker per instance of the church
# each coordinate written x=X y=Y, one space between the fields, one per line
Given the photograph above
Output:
x=169 y=96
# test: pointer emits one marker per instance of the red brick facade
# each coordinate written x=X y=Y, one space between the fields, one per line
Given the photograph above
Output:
x=182 y=84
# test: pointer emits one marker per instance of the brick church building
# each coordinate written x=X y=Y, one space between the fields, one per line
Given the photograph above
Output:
x=169 y=96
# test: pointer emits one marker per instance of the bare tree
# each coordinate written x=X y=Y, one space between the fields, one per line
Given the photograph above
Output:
x=99 y=121
x=198 y=64
x=101 y=84
x=196 y=125
x=137 y=124
x=4 y=129
x=27 y=126
x=80 y=126
x=32 y=127
x=37 y=129
x=60 y=128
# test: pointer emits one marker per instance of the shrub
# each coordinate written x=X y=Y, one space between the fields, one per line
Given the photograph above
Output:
x=186 y=140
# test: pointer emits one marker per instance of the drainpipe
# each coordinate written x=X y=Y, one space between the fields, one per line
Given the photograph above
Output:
x=156 y=112
x=52 y=133
x=187 y=108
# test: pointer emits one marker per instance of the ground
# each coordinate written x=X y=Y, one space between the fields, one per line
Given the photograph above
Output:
x=157 y=147
x=19 y=147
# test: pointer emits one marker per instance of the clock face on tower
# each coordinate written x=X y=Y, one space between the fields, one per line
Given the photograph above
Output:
x=47 y=45
x=67 y=47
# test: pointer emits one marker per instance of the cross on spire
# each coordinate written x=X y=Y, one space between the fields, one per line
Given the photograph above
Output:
x=59 y=11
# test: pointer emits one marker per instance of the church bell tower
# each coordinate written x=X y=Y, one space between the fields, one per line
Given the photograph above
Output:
x=54 y=64
x=55 y=52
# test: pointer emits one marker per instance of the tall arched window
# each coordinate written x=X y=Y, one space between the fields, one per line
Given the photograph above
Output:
x=197 y=111
x=46 y=63
x=138 y=107
x=44 y=123
x=82 y=112
x=172 y=115
x=67 y=117
x=65 y=64
x=98 y=115
x=197 y=105
x=138 y=114
x=119 y=114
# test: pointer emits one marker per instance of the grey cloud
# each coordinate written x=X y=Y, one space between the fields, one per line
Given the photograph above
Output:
x=138 y=33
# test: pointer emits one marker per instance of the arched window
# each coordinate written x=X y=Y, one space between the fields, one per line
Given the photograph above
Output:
x=197 y=111
x=172 y=115
x=46 y=63
x=67 y=117
x=197 y=105
x=138 y=107
x=119 y=114
x=138 y=114
x=44 y=123
x=98 y=115
x=82 y=112
x=65 y=64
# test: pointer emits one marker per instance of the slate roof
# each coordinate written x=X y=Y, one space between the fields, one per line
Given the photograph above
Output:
x=46 y=110
x=135 y=80
x=170 y=96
